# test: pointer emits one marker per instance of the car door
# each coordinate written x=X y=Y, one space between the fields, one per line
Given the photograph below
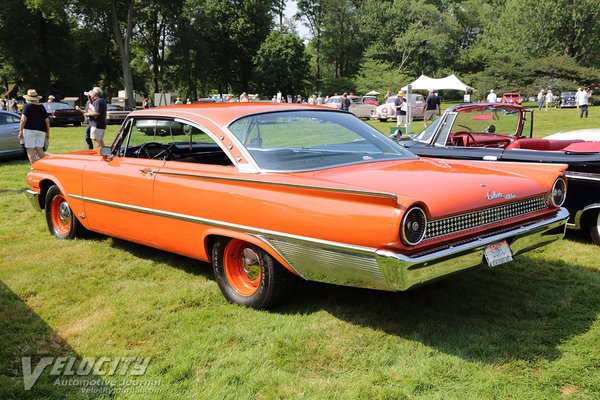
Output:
x=118 y=190
x=9 y=134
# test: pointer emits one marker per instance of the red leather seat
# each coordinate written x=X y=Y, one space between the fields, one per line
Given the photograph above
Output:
x=541 y=144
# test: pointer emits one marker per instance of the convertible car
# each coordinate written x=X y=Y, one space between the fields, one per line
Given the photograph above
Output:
x=273 y=193
x=504 y=132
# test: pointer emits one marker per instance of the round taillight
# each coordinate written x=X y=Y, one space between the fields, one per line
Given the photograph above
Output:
x=558 y=193
x=414 y=224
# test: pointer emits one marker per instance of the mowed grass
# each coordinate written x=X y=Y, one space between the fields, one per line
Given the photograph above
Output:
x=527 y=330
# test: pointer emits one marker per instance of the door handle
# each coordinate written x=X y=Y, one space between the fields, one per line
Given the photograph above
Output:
x=148 y=172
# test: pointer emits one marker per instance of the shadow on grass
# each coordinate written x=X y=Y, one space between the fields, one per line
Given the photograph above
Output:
x=523 y=311
x=24 y=334
x=519 y=311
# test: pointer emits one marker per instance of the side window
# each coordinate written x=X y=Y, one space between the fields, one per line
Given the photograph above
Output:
x=4 y=119
x=172 y=141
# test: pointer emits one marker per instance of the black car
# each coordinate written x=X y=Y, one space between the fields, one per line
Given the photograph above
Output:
x=567 y=100
x=504 y=132
x=63 y=114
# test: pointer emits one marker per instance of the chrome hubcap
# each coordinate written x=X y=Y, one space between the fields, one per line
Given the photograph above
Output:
x=251 y=264
x=64 y=212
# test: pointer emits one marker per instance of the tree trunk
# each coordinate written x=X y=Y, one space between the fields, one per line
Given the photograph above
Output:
x=123 y=42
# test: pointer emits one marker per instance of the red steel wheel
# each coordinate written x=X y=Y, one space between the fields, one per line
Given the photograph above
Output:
x=61 y=215
x=242 y=267
x=249 y=276
x=61 y=220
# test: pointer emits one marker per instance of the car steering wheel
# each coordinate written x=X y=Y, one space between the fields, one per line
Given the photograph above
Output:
x=466 y=137
x=166 y=153
x=143 y=151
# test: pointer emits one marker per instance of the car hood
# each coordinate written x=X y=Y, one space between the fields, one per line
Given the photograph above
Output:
x=445 y=187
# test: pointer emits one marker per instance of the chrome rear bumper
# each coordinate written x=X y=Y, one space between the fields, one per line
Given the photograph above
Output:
x=388 y=270
x=34 y=199
x=403 y=272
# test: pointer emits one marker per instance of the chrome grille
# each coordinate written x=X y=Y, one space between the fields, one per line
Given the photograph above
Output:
x=447 y=226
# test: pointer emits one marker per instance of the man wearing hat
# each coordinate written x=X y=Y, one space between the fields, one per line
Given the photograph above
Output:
x=51 y=99
x=35 y=126
x=97 y=117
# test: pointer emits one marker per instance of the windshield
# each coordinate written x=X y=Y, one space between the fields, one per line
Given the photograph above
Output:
x=426 y=134
x=307 y=140
x=56 y=106
x=487 y=119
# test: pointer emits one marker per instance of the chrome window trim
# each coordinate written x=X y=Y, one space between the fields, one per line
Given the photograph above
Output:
x=169 y=117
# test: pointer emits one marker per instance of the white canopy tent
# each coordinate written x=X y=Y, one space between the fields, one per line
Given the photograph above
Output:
x=450 y=82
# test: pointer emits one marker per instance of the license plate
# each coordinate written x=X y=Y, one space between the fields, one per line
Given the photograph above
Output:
x=498 y=253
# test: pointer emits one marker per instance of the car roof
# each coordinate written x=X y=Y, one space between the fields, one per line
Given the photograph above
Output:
x=224 y=113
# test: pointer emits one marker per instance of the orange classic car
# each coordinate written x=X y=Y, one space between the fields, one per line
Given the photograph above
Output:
x=273 y=193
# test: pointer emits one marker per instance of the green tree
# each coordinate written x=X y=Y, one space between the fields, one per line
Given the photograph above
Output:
x=281 y=64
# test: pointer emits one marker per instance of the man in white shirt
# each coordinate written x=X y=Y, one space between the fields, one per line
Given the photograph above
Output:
x=491 y=98
x=583 y=101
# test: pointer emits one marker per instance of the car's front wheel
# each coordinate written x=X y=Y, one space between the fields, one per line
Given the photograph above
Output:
x=61 y=221
x=247 y=275
x=594 y=228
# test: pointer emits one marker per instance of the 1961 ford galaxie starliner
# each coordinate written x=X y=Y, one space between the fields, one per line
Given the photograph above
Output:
x=273 y=193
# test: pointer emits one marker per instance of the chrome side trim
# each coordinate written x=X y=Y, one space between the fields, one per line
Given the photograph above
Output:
x=222 y=224
x=345 y=264
x=331 y=265
x=34 y=198
x=582 y=176
x=288 y=185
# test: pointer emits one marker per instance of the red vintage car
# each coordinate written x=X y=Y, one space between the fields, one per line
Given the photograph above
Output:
x=511 y=98
x=273 y=193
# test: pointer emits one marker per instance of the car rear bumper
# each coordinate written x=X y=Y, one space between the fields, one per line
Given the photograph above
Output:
x=404 y=272
x=392 y=271
x=34 y=199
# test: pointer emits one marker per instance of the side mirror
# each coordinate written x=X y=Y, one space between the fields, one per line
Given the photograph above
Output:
x=105 y=151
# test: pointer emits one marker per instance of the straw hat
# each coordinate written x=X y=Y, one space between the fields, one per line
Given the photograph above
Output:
x=32 y=96
x=400 y=93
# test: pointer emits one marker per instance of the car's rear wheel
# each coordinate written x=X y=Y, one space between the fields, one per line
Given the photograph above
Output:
x=61 y=220
x=594 y=228
x=247 y=275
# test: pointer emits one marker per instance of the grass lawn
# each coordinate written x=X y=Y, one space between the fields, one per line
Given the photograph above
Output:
x=528 y=330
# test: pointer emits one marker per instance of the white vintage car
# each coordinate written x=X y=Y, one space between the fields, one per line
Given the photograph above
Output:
x=388 y=109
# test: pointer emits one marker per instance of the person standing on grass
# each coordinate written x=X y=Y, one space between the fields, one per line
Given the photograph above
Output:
x=584 y=101
x=400 y=104
x=492 y=98
x=431 y=108
x=541 y=97
x=97 y=118
x=549 y=99
x=89 y=108
x=35 y=126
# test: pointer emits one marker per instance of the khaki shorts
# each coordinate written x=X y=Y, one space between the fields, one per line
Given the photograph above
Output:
x=33 y=138
x=429 y=114
x=97 y=134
